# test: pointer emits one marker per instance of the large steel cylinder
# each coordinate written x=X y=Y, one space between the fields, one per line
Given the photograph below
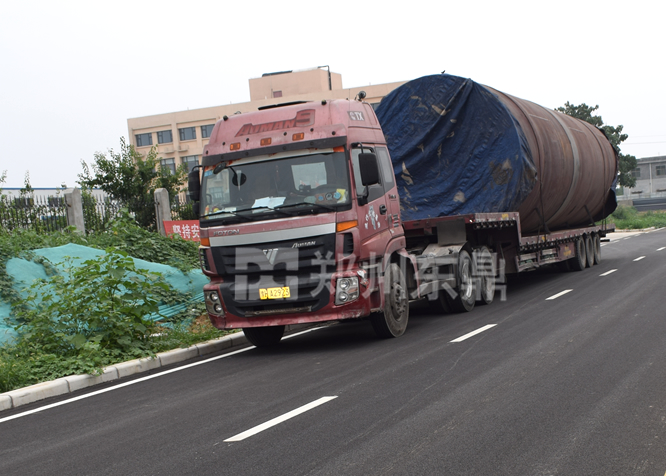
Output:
x=459 y=147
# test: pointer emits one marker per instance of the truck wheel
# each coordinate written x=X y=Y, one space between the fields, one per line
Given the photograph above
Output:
x=442 y=304
x=485 y=271
x=579 y=262
x=464 y=301
x=264 y=336
x=393 y=321
x=589 y=250
x=597 y=248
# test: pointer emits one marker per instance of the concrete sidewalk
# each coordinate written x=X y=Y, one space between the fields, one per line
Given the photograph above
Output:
x=70 y=384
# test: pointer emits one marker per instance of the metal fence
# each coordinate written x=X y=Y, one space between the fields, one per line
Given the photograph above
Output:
x=50 y=213
x=38 y=213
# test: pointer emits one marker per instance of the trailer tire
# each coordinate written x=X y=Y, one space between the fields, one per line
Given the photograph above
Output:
x=484 y=264
x=597 y=248
x=393 y=321
x=466 y=298
x=589 y=250
x=264 y=336
x=579 y=262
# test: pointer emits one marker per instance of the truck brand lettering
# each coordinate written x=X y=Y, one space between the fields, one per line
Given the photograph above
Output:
x=305 y=243
x=303 y=118
x=356 y=116
x=235 y=231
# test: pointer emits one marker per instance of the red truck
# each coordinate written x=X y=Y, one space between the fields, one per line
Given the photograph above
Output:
x=301 y=222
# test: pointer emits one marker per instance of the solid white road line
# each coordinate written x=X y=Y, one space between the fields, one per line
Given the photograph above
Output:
x=608 y=272
x=555 y=296
x=639 y=258
x=142 y=379
x=662 y=248
x=280 y=419
x=473 y=333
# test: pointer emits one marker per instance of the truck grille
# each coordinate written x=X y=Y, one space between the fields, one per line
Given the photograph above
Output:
x=304 y=265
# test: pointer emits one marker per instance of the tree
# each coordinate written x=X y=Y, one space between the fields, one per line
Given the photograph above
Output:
x=614 y=134
x=132 y=179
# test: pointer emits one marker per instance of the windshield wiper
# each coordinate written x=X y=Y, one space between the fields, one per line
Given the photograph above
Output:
x=246 y=218
x=276 y=209
x=325 y=207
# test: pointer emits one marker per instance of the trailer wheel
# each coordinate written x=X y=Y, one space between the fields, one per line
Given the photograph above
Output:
x=579 y=262
x=264 y=336
x=597 y=248
x=589 y=250
x=466 y=298
x=485 y=272
x=393 y=321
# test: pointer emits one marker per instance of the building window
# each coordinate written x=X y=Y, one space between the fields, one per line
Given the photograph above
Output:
x=636 y=173
x=207 y=130
x=661 y=169
x=277 y=94
x=164 y=137
x=144 y=140
x=169 y=164
x=190 y=161
x=188 y=133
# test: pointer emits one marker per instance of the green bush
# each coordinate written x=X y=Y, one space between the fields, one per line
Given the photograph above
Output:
x=99 y=306
x=628 y=218
x=97 y=316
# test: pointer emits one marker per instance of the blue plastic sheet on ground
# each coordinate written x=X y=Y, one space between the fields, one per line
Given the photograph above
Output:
x=25 y=272
x=455 y=148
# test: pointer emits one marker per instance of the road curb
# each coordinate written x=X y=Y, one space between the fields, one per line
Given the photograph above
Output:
x=72 y=383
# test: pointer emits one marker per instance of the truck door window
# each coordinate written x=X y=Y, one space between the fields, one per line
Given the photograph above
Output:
x=374 y=191
x=386 y=167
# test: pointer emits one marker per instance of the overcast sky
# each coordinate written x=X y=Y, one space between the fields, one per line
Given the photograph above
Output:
x=73 y=72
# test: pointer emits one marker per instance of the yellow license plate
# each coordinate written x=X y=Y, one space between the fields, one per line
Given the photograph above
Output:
x=274 y=293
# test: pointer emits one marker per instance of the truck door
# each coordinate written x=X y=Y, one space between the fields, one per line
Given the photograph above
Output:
x=373 y=216
x=390 y=189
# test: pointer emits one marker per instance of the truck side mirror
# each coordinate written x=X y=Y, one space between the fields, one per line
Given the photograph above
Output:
x=194 y=185
x=367 y=164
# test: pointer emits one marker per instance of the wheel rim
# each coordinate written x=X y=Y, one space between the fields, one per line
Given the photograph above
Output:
x=466 y=288
x=398 y=300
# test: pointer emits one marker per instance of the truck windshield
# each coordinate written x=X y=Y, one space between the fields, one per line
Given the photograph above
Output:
x=311 y=183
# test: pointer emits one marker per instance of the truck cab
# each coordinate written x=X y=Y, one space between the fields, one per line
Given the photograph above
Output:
x=300 y=220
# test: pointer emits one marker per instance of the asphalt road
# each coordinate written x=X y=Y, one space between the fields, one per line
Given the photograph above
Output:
x=574 y=385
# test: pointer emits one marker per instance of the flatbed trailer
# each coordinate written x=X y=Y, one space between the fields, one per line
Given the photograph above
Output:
x=495 y=246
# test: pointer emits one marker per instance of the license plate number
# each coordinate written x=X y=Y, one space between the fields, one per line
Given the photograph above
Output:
x=274 y=293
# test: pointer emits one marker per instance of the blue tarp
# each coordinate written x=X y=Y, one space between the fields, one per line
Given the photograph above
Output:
x=455 y=148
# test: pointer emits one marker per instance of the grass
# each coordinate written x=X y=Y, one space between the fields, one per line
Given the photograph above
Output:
x=628 y=218
x=25 y=362
x=20 y=368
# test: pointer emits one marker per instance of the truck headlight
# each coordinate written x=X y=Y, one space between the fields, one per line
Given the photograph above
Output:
x=346 y=290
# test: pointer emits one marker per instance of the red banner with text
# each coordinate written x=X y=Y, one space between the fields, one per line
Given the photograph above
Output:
x=186 y=229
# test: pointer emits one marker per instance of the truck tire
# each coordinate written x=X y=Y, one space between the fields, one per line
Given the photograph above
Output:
x=597 y=248
x=264 y=336
x=485 y=272
x=393 y=321
x=442 y=304
x=466 y=298
x=579 y=262
x=589 y=250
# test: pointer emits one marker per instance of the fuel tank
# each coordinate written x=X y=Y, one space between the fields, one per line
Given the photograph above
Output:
x=460 y=147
